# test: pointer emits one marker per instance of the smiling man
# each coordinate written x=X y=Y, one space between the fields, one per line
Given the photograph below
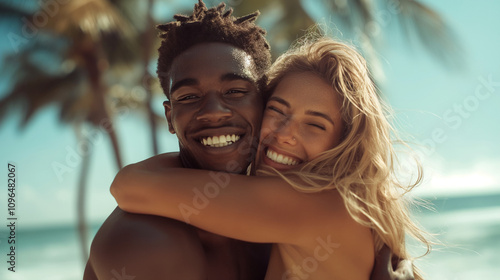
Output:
x=214 y=106
x=211 y=68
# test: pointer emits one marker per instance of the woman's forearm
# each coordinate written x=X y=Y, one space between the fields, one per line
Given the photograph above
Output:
x=256 y=209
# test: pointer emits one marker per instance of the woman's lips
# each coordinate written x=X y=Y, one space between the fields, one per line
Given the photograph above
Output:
x=280 y=158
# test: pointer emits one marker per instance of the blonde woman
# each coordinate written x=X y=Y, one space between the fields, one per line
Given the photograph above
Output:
x=325 y=194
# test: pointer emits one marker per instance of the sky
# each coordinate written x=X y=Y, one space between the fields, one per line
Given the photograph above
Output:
x=451 y=115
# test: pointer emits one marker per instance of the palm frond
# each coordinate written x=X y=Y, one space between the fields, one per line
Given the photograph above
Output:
x=94 y=18
x=247 y=7
x=431 y=30
x=364 y=9
x=13 y=9
x=42 y=89
x=293 y=24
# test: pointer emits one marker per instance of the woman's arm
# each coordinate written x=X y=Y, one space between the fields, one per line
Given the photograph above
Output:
x=255 y=209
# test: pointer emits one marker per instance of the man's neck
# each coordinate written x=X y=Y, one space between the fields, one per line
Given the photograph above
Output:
x=188 y=161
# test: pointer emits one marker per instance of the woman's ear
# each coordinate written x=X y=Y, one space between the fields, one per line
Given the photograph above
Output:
x=168 y=115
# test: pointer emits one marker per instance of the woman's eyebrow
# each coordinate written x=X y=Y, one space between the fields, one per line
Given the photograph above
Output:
x=321 y=115
x=279 y=100
x=308 y=112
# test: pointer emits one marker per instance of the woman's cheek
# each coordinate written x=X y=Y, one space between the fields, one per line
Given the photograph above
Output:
x=268 y=125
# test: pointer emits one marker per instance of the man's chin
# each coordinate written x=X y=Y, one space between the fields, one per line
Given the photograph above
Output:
x=233 y=158
x=232 y=161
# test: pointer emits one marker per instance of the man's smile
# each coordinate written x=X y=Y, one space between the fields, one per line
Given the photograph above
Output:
x=220 y=141
x=220 y=137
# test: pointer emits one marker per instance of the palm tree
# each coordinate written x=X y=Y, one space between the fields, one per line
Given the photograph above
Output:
x=73 y=38
x=146 y=34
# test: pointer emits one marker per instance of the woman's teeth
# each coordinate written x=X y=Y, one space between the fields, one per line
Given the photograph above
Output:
x=280 y=158
x=220 y=141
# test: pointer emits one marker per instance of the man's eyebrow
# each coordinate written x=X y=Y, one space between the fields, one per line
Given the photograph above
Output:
x=234 y=76
x=321 y=115
x=183 y=83
x=225 y=77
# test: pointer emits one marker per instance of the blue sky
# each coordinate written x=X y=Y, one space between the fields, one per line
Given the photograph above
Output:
x=425 y=95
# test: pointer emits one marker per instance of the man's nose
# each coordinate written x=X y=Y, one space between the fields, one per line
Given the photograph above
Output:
x=213 y=109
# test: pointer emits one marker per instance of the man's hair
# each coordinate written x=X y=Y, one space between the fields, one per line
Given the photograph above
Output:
x=211 y=25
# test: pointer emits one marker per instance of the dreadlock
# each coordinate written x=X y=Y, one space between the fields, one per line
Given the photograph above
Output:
x=211 y=25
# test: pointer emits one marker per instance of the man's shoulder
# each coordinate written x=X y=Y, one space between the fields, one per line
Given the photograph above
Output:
x=125 y=230
x=142 y=244
x=120 y=222
x=110 y=234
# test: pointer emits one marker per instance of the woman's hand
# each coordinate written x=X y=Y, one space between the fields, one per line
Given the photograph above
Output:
x=128 y=186
x=383 y=268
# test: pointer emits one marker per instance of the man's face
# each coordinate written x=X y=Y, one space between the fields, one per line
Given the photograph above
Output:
x=215 y=108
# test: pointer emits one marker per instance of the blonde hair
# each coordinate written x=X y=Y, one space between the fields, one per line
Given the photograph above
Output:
x=362 y=166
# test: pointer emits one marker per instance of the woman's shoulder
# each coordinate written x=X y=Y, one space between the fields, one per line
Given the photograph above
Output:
x=339 y=240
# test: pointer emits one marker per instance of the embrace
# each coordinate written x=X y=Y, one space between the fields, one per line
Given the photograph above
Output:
x=284 y=171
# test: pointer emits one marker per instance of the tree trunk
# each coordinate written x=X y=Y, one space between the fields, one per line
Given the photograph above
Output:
x=147 y=40
x=80 y=205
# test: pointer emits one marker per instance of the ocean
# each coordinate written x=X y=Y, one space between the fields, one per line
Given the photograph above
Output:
x=468 y=227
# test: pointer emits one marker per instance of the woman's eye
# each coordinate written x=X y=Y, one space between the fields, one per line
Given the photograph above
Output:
x=272 y=108
x=317 y=126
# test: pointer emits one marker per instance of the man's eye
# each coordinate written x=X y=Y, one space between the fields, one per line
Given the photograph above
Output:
x=236 y=92
x=187 y=97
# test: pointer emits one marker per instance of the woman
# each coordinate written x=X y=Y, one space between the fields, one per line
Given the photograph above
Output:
x=329 y=200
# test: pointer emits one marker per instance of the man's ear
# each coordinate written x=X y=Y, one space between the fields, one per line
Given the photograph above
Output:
x=168 y=115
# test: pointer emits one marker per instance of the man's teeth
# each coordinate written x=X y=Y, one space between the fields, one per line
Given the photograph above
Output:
x=220 y=141
x=279 y=158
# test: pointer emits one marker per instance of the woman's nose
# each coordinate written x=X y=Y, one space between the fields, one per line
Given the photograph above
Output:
x=286 y=132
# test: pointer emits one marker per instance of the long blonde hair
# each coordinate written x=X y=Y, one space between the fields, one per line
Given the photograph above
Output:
x=362 y=166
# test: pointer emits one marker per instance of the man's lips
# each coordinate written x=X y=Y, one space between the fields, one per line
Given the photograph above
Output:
x=220 y=141
x=219 y=137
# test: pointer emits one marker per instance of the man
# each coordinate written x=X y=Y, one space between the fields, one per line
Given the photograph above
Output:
x=210 y=65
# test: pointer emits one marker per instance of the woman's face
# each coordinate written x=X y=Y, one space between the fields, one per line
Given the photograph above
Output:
x=302 y=119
